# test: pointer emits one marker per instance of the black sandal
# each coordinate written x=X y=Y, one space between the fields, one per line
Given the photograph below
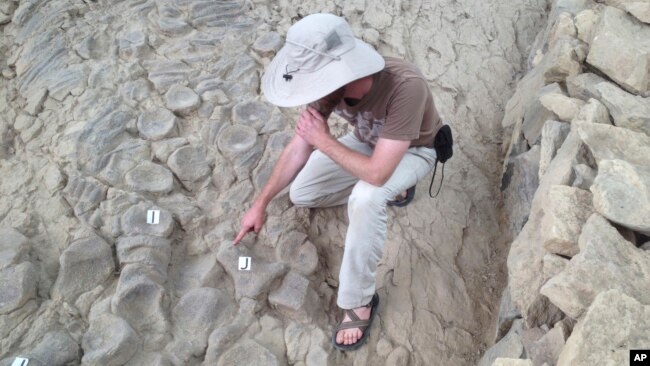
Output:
x=410 y=194
x=355 y=322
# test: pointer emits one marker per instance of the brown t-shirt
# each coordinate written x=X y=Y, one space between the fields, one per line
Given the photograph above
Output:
x=399 y=106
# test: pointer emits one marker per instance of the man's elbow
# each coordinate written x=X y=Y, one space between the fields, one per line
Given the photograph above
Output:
x=378 y=179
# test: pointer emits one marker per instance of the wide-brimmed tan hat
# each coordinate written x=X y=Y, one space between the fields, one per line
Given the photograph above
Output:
x=320 y=55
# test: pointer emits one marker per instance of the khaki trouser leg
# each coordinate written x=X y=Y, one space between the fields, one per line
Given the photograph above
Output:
x=323 y=183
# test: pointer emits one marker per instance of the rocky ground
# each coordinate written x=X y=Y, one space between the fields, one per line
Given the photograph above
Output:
x=576 y=189
x=109 y=109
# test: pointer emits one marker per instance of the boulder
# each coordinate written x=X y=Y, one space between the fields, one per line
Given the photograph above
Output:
x=512 y=362
x=295 y=298
x=248 y=283
x=199 y=311
x=614 y=324
x=58 y=348
x=142 y=301
x=565 y=213
x=240 y=144
x=181 y=99
x=566 y=108
x=608 y=142
x=109 y=341
x=593 y=112
x=583 y=86
x=14 y=247
x=190 y=164
x=563 y=26
x=132 y=44
x=638 y=8
x=134 y=221
x=85 y=264
x=584 y=176
x=267 y=44
x=248 y=352
x=585 y=22
x=509 y=346
x=536 y=115
x=508 y=313
x=622 y=194
x=606 y=261
x=17 y=286
x=252 y=113
x=553 y=135
x=547 y=349
x=620 y=49
x=156 y=124
x=518 y=186
x=149 y=177
x=563 y=60
x=152 y=251
x=162 y=149
x=628 y=110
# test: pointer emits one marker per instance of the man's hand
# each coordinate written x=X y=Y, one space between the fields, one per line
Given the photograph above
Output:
x=252 y=221
x=312 y=127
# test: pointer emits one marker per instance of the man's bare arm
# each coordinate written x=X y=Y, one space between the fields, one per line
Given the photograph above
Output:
x=291 y=160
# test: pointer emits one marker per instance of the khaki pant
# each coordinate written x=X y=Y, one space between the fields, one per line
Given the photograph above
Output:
x=323 y=183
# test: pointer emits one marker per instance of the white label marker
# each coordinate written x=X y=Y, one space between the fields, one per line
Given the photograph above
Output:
x=20 y=361
x=245 y=263
x=153 y=217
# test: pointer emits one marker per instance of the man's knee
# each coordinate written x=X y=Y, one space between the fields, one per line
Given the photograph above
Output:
x=300 y=196
x=366 y=195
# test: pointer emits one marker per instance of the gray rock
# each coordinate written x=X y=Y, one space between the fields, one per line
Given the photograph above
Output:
x=132 y=44
x=566 y=108
x=606 y=261
x=198 y=312
x=125 y=157
x=585 y=22
x=547 y=349
x=593 y=112
x=629 y=111
x=510 y=346
x=152 y=251
x=638 y=8
x=101 y=135
x=563 y=60
x=583 y=86
x=536 y=115
x=149 y=358
x=190 y=165
x=295 y=298
x=241 y=145
x=134 y=221
x=622 y=194
x=519 y=184
x=14 y=247
x=173 y=26
x=142 y=301
x=508 y=312
x=162 y=149
x=512 y=362
x=149 y=177
x=248 y=353
x=614 y=319
x=85 y=264
x=164 y=74
x=248 y=283
x=268 y=44
x=58 y=348
x=584 y=176
x=552 y=265
x=181 y=99
x=35 y=102
x=156 y=124
x=17 y=286
x=553 y=135
x=620 y=50
x=84 y=194
x=109 y=341
x=198 y=271
x=252 y=113
x=135 y=92
x=399 y=356
x=608 y=142
x=565 y=212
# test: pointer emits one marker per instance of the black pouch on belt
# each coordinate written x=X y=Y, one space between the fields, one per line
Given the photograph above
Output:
x=443 y=143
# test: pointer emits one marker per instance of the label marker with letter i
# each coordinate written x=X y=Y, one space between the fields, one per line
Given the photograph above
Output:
x=20 y=361
x=153 y=217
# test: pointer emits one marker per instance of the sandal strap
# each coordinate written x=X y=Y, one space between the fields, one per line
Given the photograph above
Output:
x=352 y=315
x=361 y=324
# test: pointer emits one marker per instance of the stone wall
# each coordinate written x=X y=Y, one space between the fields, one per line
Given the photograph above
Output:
x=577 y=190
x=110 y=109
